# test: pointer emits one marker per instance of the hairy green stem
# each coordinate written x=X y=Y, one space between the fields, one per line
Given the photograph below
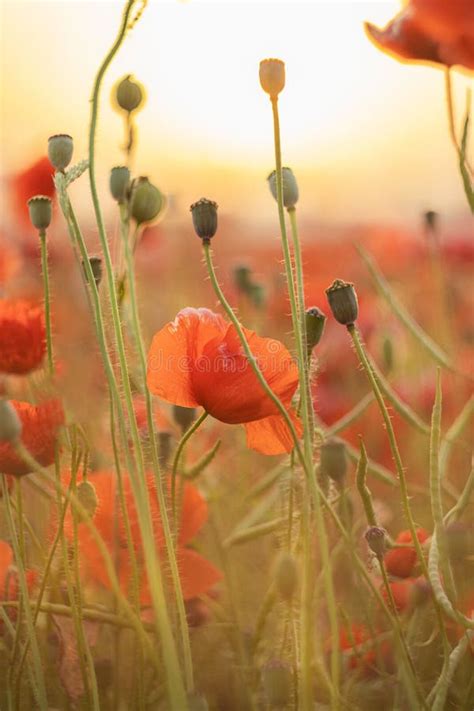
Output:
x=47 y=300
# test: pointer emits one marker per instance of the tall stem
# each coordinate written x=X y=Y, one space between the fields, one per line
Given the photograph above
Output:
x=47 y=300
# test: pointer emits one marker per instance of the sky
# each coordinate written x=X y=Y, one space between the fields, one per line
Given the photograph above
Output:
x=366 y=136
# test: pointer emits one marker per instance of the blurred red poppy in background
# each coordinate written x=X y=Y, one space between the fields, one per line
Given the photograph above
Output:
x=198 y=360
x=37 y=179
x=22 y=336
x=401 y=561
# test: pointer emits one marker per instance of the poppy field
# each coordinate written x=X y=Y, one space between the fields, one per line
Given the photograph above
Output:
x=235 y=460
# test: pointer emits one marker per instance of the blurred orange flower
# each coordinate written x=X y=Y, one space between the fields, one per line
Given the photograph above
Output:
x=37 y=179
x=40 y=425
x=198 y=360
x=197 y=574
x=22 y=336
x=401 y=561
x=439 y=31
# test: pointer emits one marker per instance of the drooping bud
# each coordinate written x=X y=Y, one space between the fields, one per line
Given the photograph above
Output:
x=184 y=416
x=40 y=210
x=277 y=680
x=119 y=182
x=342 y=299
x=242 y=278
x=315 y=322
x=333 y=460
x=146 y=201
x=272 y=76
x=204 y=214
x=96 y=266
x=289 y=185
x=376 y=538
x=10 y=424
x=129 y=94
x=286 y=575
x=60 y=148
x=87 y=496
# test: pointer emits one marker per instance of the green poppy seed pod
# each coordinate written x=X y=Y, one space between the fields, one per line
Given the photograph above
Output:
x=119 y=182
x=342 y=299
x=289 y=184
x=333 y=460
x=315 y=322
x=60 y=148
x=129 y=94
x=10 y=423
x=243 y=278
x=204 y=214
x=146 y=201
x=40 y=209
x=96 y=266
x=272 y=76
x=286 y=575
x=184 y=416
x=87 y=496
x=277 y=681
x=376 y=538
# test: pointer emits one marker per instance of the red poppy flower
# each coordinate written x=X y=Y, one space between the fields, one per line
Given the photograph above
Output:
x=197 y=574
x=401 y=561
x=362 y=651
x=431 y=31
x=402 y=591
x=197 y=360
x=22 y=336
x=37 y=179
x=40 y=425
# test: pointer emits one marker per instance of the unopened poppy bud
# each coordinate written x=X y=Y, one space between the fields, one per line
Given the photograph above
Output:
x=431 y=219
x=40 y=210
x=10 y=424
x=204 y=214
x=119 y=182
x=129 y=94
x=315 y=322
x=96 y=266
x=272 y=76
x=342 y=299
x=242 y=278
x=286 y=576
x=184 y=416
x=289 y=186
x=277 y=680
x=376 y=538
x=333 y=460
x=197 y=702
x=60 y=148
x=146 y=201
x=87 y=496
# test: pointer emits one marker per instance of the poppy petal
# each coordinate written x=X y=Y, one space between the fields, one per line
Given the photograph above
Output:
x=193 y=513
x=271 y=434
x=197 y=574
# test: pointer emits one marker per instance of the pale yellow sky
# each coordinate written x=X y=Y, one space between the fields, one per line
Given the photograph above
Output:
x=366 y=136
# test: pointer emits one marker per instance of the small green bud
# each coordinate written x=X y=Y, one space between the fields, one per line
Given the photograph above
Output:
x=119 y=182
x=204 y=214
x=289 y=185
x=40 y=210
x=376 y=538
x=342 y=299
x=60 y=148
x=129 y=94
x=315 y=322
x=333 y=460
x=286 y=575
x=272 y=76
x=96 y=266
x=10 y=423
x=242 y=278
x=277 y=680
x=87 y=496
x=146 y=201
x=184 y=416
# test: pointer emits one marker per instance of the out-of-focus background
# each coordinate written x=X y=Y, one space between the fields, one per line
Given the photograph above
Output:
x=366 y=135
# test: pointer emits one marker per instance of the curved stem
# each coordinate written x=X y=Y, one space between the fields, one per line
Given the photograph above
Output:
x=177 y=455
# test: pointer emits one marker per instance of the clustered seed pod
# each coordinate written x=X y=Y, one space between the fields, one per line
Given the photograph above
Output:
x=376 y=538
x=10 y=424
x=129 y=94
x=286 y=575
x=315 y=321
x=272 y=76
x=277 y=681
x=60 y=149
x=184 y=416
x=87 y=496
x=146 y=201
x=289 y=186
x=342 y=299
x=204 y=214
x=119 y=183
x=333 y=460
x=40 y=209
x=96 y=266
